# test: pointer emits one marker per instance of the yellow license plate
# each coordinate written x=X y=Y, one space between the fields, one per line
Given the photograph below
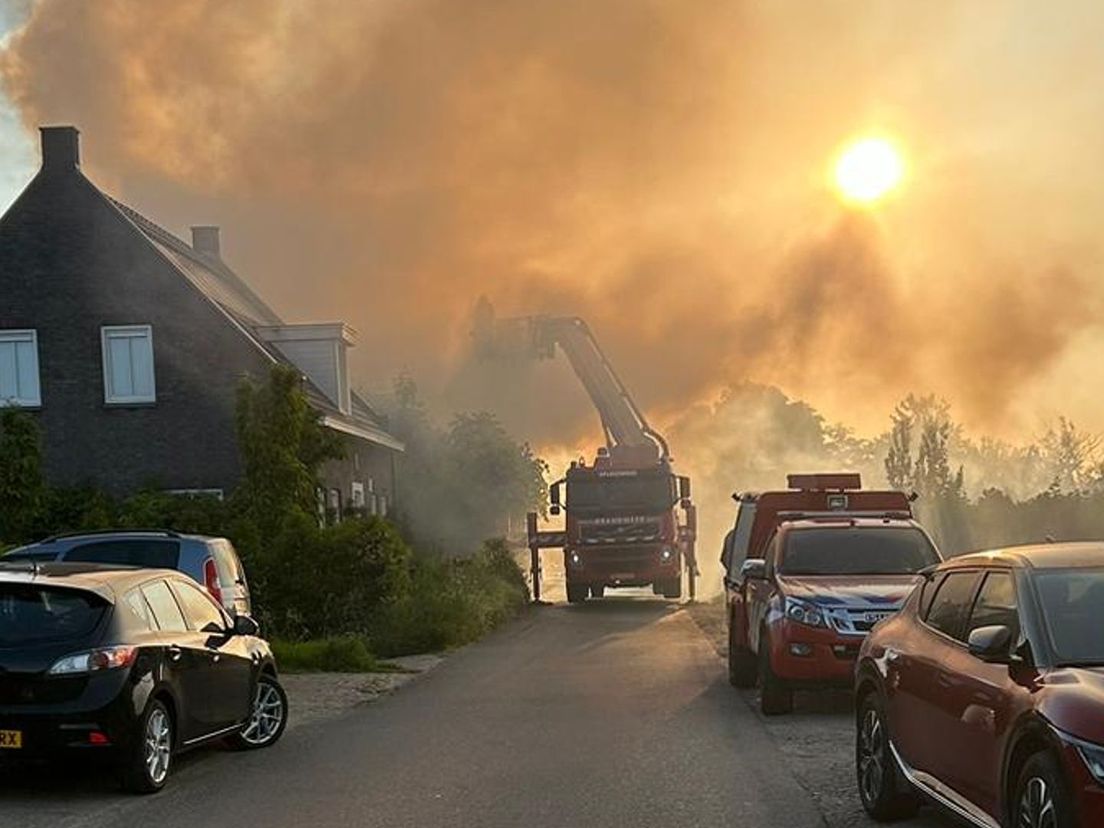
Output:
x=11 y=739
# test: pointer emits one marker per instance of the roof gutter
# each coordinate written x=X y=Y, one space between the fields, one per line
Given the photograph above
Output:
x=372 y=435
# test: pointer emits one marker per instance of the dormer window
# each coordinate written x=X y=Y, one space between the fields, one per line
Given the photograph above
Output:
x=128 y=365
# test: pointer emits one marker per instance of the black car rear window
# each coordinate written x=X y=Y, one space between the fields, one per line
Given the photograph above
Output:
x=146 y=552
x=857 y=550
x=31 y=614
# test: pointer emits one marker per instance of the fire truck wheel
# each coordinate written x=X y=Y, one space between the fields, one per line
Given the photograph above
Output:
x=775 y=698
x=671 y=588
x=577 y=593
x=742 y=668
x=597 y=590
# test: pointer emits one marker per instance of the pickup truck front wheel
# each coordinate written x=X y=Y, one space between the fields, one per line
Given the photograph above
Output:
x=577 y=593
x=742 y=668
x=775 y=698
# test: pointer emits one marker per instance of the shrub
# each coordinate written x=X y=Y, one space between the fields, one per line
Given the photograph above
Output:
x=21 y=485
x=344 y=654
x=313 y=583
x=452 y=603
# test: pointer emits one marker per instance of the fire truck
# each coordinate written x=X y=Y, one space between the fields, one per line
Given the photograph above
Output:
x=628 y=518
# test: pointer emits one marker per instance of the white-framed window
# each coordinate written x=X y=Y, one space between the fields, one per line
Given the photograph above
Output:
x=19 y=385
x=128 y=364
x=358 y=495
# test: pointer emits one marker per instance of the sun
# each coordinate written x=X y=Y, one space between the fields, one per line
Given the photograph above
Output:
x=868 y=169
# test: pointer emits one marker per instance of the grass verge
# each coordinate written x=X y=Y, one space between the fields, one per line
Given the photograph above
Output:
x=343 y=654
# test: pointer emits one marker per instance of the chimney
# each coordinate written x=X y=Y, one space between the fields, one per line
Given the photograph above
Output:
x=205 y=240
x=60 y=147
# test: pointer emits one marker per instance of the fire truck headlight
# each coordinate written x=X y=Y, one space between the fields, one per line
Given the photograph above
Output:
x=575 y=559
x=804 y=613
x=666 y=554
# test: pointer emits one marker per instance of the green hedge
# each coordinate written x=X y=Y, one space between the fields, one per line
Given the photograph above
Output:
x=451 y=603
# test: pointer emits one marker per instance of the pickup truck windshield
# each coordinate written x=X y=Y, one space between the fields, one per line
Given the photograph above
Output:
x=857 y=551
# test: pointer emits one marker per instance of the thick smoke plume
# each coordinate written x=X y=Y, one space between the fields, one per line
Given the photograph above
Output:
x=656 y=166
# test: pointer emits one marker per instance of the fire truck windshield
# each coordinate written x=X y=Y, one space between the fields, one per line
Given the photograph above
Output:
x=857 y=551
x=647 y=492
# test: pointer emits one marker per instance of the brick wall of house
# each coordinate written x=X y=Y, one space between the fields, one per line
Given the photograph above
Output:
x=370 y=465
x=71 y=263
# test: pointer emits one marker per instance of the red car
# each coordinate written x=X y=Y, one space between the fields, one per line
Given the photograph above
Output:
x=986 y=692
x=799 y=613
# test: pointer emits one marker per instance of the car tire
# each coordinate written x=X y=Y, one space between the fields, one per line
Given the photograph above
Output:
x=883 y=793
x=267 y=719
x=1041 y=786
x=597 y=590
x=775 y=698
x=577 y=593
x=147 y=763
x=743 y=670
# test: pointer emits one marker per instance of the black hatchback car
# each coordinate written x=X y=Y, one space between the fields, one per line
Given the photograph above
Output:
x=134 y=664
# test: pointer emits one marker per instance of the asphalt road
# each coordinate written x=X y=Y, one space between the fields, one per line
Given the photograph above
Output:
x=608 y=714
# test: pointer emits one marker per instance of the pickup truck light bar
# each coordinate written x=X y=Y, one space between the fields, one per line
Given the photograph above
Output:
x=877 y=513
x=824 y=482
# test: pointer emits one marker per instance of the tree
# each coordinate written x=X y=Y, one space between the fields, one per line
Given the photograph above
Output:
x=898 y=462
x=465 y=483
x=22 y=489
x=283 y=445
x=1070 y=457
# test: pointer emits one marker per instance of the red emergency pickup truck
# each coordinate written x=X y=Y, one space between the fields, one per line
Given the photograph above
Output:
x=809 y=572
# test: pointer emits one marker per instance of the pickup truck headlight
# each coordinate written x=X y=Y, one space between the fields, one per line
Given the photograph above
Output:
x=805 y=613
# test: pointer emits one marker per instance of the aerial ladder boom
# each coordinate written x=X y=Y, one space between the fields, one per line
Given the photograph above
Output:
x=631 y=443
x=626 y=428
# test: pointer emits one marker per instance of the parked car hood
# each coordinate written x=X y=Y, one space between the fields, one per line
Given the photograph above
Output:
x=875 y=591
x=1073 y=701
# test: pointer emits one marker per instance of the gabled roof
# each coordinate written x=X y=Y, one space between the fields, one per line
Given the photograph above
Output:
x=248 y=311
x=214 y=279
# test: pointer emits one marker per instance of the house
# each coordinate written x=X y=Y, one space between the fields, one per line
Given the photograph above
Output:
x=129 y=345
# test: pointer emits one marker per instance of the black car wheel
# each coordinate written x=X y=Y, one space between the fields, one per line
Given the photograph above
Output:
x=1041 y=799
x=597 y=590
x=879 y=785
x=268 y=718
x=147 y=766
x=742 y=669
x=775 y=698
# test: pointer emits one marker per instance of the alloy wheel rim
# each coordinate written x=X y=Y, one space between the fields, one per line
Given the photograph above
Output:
x=267 y=716
x=1037 y=805
x=871 y=756
x=158 y=746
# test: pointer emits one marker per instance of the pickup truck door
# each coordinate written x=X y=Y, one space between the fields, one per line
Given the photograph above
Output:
x=758 y=593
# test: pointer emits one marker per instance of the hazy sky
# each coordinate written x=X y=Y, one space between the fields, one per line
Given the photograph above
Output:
x=18 y=155
x=658 y=166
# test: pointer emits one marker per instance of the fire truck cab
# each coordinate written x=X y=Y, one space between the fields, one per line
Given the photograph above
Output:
x=627 y=526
